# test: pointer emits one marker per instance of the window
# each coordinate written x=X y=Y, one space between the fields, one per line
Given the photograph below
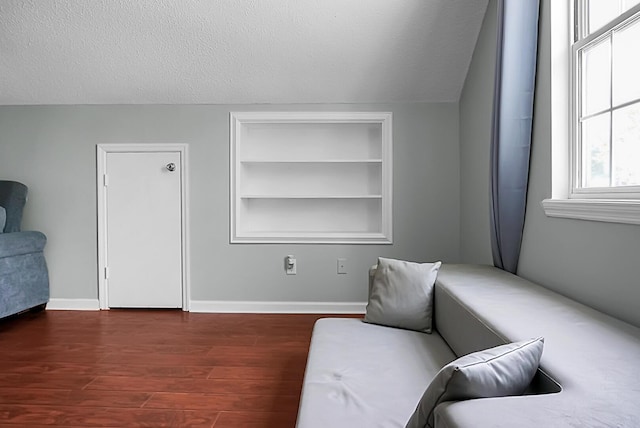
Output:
x=606 y=100
x=594 y=110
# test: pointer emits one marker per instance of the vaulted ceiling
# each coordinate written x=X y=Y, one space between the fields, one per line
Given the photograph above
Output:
x=235 y=51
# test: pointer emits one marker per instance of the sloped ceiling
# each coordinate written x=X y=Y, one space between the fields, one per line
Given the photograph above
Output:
x=235 y=51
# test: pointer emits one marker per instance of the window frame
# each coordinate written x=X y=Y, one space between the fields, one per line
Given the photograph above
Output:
x=580 y=41
x=562 y=203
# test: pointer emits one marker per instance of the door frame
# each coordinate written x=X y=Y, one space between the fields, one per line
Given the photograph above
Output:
x=101 y=158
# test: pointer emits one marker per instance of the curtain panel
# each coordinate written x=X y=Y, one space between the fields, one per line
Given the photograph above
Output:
x=512 y=124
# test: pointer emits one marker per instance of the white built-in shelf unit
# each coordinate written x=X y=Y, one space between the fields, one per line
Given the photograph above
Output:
x=311 y=177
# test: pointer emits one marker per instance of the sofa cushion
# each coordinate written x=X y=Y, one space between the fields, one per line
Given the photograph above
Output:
x=497 y=372
x=365 y=375
x=401 y=294
x=3 y=218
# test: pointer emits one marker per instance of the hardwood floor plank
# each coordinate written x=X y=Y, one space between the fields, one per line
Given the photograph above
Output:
x=104 y=417
x=258 y=356
x=218 y=356
x=48 y=381
x=169 y=349
x=58 y=397
x=7 y=425
x=106 y=369
x=210 y=386
x=33 y=395
x=223 y=402
x=81 y=353
x=302 y=340
x=255 y=420
x=159 y=359
x=295 y=372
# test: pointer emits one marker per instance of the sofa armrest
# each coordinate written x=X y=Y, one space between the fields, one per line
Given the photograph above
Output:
x=19 y=243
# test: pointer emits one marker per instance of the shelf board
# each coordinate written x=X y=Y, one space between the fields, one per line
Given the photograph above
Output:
x=310 y=196
x=274 y=161
x=304 y=237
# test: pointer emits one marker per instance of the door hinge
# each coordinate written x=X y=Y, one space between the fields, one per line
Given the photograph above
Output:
x=106 y=273
x=105 y=180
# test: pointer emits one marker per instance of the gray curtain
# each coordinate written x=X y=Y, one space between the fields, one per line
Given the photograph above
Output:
x=511 y=131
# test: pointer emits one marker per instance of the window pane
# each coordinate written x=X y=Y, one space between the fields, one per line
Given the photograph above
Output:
x=601 y=12
x=626 y=64
x=596 y=78
x=626 y=146
x=596 y=151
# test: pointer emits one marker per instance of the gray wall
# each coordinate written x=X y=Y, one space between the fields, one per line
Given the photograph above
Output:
x=595 y=263
x=52 y=149
x=476 y=103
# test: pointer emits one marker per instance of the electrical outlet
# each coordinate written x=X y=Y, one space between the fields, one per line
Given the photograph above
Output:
x=342 y=266
x=290 y=265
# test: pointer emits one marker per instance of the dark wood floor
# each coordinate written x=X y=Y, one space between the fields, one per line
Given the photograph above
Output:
x=154 y=368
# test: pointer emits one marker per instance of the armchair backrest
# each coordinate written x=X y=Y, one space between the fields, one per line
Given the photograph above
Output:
x=13 y=197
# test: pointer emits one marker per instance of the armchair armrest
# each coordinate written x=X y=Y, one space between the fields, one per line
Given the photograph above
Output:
x=19 y=243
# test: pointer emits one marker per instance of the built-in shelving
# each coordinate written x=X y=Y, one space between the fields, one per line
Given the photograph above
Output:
x=311 y=177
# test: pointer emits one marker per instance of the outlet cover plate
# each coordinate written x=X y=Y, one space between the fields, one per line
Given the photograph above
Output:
x=342 y=266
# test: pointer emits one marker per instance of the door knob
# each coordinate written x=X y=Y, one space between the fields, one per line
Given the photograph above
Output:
x=171 y=166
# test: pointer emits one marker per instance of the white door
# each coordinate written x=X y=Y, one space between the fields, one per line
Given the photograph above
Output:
x=143 y=230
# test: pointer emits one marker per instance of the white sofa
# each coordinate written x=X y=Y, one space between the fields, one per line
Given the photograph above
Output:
x=364 y=375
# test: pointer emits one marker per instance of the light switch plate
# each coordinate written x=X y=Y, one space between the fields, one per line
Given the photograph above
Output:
x=290 y=265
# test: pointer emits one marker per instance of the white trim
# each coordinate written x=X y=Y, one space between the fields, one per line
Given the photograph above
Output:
x=612 y=211
x=561 y=84
x=315 y=238
x=310 y=116
x=216 y=306
x=73 y=305
x=621 y=192
x=101 y=159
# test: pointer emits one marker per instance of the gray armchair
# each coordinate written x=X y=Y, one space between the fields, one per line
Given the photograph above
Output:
x=24 y=279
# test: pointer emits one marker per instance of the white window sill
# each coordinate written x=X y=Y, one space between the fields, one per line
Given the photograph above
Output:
x=607 y=210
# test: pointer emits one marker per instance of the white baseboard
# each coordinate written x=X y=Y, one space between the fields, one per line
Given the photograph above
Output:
x=73 y=305
x=213 y=306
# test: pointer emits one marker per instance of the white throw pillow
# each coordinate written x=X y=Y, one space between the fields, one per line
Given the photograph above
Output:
x=497 y=372
x=401 y=294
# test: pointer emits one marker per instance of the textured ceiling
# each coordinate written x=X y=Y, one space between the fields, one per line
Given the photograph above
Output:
x=235 y=51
